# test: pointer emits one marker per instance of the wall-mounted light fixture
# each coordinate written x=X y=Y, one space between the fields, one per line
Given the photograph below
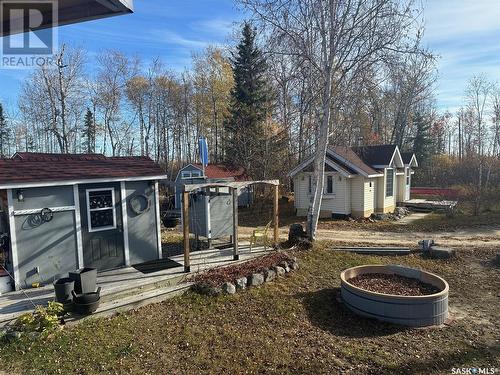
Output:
x=20 y=196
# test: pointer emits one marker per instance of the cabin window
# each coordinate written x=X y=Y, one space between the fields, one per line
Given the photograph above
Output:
x=389 y=183
x=408 y=177
x=101 y=211
x=310 y=185
x=329 y=184
x=190 y=174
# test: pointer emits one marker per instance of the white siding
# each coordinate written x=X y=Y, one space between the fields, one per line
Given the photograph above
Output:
x=369 y=191
x=338 y=203
x=357 y=194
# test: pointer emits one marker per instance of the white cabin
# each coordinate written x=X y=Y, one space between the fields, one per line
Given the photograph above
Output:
x=359 y=181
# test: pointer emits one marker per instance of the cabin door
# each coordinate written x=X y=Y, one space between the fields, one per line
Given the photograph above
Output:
x=102 y=229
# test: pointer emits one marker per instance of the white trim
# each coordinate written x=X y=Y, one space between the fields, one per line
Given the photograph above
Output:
x=80 y=181
x=78 y=227
x=300 y=167
x=412 y=159
x=207 y=217
x=123 y=196
x=32 y=211
x=109 y=227
x=400 y=159
x=13 y=239
x=393 y=182
x=158 y=222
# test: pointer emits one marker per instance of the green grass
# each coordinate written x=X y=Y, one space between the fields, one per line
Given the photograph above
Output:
x=293 y=325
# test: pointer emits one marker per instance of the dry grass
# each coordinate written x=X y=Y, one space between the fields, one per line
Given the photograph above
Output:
x=293 y=325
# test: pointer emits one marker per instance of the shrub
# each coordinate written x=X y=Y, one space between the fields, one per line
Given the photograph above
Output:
x=43 y=319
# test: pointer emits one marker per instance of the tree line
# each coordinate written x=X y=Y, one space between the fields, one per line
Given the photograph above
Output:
x=305 y=74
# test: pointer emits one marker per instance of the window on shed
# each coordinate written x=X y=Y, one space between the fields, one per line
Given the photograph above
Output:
x=389 y=183
x=101 y=213
x=408 y=176
x=329 y=185
x=309 y=189
x=190 y=174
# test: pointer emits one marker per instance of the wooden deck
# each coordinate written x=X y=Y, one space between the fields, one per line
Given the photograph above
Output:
x=427 y=205
x=130 y=287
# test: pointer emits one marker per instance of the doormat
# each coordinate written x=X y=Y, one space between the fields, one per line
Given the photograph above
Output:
x=156 y=265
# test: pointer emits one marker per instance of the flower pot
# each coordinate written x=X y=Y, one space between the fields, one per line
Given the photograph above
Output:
x=85 y=280
x=87 y=303
x=63 y=288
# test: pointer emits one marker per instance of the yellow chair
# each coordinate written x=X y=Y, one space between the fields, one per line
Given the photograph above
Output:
x=260 y=233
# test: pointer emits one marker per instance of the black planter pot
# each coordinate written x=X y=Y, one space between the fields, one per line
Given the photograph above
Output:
x=63 y=289
x=85 y=308
x=170 y=221
x=86 y=298
x=87 y=303
x=85 y=280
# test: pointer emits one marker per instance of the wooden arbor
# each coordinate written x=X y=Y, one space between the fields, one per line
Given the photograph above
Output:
x=234 y=187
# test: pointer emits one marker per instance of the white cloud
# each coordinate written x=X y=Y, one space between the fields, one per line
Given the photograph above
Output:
x=465 y=34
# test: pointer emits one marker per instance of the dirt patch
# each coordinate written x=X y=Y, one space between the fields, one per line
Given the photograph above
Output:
x=393 y=284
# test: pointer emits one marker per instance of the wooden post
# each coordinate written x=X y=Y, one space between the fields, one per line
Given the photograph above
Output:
x=236 y=253
x=185 y=230
x=276 y=215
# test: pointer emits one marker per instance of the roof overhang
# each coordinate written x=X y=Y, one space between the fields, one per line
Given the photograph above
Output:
x=328 y=161
x=68 y=12
x=352 y=166
x=23 y=185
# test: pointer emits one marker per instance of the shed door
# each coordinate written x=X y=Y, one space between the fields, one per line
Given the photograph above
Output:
x=102 y=230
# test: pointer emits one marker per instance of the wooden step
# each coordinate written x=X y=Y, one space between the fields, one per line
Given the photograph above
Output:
x=134 y=301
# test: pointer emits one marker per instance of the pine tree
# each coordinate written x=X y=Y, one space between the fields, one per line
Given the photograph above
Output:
x=422 y=143
x=89 y=132
x=250 y=98
x=4 y=134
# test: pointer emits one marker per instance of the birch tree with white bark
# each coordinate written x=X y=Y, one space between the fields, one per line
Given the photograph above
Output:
x=336 y=39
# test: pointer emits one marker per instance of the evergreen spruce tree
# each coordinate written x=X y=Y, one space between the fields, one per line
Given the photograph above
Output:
x=89 y=132
x=422 y=143
x=4 y=134
x=250 y=98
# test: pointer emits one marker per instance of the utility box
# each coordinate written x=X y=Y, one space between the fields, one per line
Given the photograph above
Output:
x=211 y=213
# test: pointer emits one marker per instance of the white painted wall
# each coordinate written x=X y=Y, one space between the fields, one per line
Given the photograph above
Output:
x=357 y=194
x=369 y=191
x=338 y=203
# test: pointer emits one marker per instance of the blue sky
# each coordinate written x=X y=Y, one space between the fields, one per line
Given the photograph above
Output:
x=464 y=33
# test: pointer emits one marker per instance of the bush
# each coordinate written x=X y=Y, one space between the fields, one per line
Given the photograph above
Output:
x=43 y=319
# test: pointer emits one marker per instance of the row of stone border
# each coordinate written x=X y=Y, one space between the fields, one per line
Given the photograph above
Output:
x=253 y=280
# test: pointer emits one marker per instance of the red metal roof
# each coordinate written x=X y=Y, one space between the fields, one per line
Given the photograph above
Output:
x=36 y=168
x=215 y=171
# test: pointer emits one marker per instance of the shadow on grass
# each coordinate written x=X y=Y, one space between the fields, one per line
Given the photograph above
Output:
x=327 y=313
